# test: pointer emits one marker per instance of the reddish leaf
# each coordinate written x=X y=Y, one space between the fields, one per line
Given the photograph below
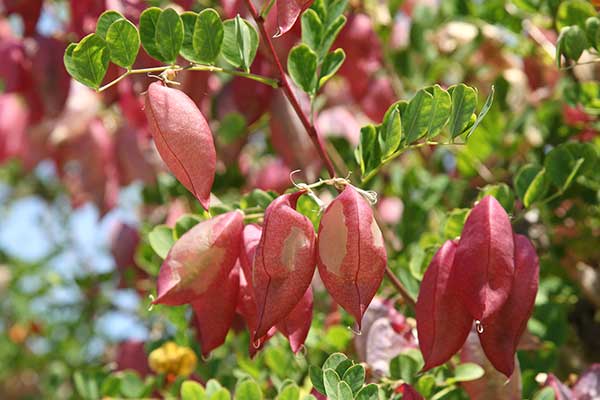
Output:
x=251 y=237
x=183 y=139
x=296 y=325
x=14 y=120
x=201 y=258
x=214 y=312
x=131 y=355
x=351 y=253
x=408 y=393
x=492 y=385
x=284 y=263
x=443 y=323
x=502 y=330
x=133 y=153
x=483 y=266
x=288 y=12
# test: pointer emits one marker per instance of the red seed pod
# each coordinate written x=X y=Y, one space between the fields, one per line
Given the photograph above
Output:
x=214 y=312
x=484 y=266
x=251 y=237
x=202 y=257
x=296 y=325
x=183 y=139
x=284 y=263
x=502 y=330
x=288 y=12
x=443 y=323
x=350 y=252
x=408 y=393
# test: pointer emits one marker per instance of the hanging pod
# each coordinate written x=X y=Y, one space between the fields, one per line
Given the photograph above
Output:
x=351 y=254
x=202 y=257
x=284 y=262
x=183 y=139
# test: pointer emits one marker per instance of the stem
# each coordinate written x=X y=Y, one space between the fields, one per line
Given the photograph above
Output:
x=400 y=288
x=266 y=8
x=132 y=72
x=258 y=78
x=287 y=89
x=194 y=67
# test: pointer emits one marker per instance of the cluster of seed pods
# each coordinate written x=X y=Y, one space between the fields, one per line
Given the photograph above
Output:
x=488 y=277
x=263 y=272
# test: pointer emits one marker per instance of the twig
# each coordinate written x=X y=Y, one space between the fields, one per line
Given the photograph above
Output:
x=400 y=287
x=287 y=89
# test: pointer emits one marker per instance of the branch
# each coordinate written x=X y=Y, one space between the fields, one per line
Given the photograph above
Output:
x=287 y=89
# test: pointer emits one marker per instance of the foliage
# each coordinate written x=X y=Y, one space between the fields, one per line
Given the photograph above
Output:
x=193 y=163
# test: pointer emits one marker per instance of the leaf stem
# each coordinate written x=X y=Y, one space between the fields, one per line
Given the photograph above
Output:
x=287 y=89
x=194 y=67
x=400 y=287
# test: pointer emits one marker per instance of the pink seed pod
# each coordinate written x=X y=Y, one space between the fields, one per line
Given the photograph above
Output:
x=284 y=263
x=296 y=325
x=202 y=257
x=483 y=265
x=214 y=312
x=350 y=252
x=443 y=323
x=251 y=237
x=183 y=139
x=502 y=330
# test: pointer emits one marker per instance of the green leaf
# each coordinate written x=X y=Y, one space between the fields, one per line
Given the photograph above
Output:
x=502 y=193
x=221 y=394
x=123 y=42
x=68 y=60
x=464 y=102
x=334 y=360
x=248 y=390
x=344 y=391
x=185 y=223
x=212 y=387
x=90 y=60
x=592 y=31
x=440 y=110
x=531 y=184
x=187 y=50
x=404 y=367
x=331 y=380
x=574 y=12
x=466 y=372
x=390 y=132
x=316 y=377
x=331 y=32
x=191 y=390
x=105 y=20
x=484 y=110
x=208 y=36
x=425 y=385
x=565 y=162
x=302 y=67
x=368 y=154
x=546 y=393
x=334 y=10
x=289 y=392
x=132 y=385
x=455 y=222
x=572 y=41
x=416 y=117
x=240 y=42
x=148 y=20
x=169 y=34
x=232 y=127
x=331 y=64
x=355 y=376
x=161 y=240
x=312 y=29
x=369 y=392
x=343 y=367
x=86 y=386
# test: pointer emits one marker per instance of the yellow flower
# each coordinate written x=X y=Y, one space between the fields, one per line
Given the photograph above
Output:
x=173 y=359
